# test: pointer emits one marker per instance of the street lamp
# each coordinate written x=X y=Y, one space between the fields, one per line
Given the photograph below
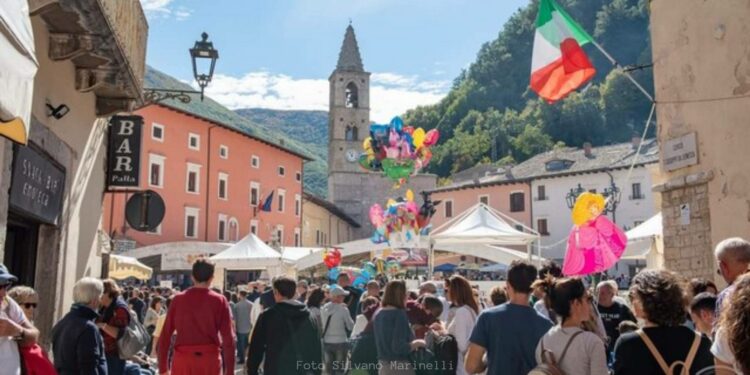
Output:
x=204 y=53
x=573 y=195
x=612 y=194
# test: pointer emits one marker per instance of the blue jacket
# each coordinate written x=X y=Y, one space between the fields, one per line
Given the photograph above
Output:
x=77 y=344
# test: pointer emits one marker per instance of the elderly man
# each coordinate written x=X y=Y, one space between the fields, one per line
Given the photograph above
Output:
x=429 y=287
x=612 y=312
x=76 y=341
x=14 y=327
x=733 y=258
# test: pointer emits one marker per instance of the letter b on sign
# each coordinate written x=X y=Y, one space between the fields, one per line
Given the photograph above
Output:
x=124 y=152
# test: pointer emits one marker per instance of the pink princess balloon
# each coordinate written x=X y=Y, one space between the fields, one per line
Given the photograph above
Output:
x=594 y=247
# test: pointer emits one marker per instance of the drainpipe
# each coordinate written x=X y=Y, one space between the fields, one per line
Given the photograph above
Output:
x=208 y=183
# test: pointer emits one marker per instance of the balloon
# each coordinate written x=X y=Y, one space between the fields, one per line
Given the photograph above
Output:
x=369 y=268
x=397 y=170
x=588 y=207
x=360 y=281
x=333 y=273
x=409 y=196
x=397 y=124
x=367 y=144
x=418 y=137
x=376 y=215
x=408 y=130
x=332 y=258
x=431 y=138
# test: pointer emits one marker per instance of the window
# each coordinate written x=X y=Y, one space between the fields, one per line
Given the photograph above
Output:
x=156 y=170
x=156 y=231
x=193 y=178
x=223 y=152
x=297 y=237
x=448 y=208
x=223 y=185
x=484 y=199
x=255 y=162
x=519 y=227
x=282 y=171
x=297 y=204
x=317 y=237
x=541 y=193
x=352 y=97
x=592 y=191
x=157 y=132
x=517 y=203
x=194 y=141
x=558 y=165
x=280 y=234
x=222 y=232
x=637 y=194
x=191 y=222
x=282 y=193
x=352 y=133
x=254 y=193
x=541 y=227
x=298 y=176
x=254 y=227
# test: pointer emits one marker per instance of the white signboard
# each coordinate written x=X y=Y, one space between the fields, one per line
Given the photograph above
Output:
x=179 y=261
x=684 y=214
x=680 y=152
x=165 y=284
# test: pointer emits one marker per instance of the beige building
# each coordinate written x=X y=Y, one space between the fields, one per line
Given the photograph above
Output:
x=325 y=224
x=702 y=87
x=90 y=56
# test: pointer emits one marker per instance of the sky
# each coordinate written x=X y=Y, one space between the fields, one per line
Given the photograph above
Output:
x=279 y=54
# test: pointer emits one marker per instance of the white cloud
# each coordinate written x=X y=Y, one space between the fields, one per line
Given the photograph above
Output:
x=165 y=9
x=390 y=94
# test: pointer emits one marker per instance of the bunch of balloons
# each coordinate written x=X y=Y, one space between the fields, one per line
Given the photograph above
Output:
x=332 y=258
x=402 y=221
x=397 y=150
x=388 y=266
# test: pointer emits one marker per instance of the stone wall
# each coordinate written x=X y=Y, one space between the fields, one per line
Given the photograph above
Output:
x=687 y=243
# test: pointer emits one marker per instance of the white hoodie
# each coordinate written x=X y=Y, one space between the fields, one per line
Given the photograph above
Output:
x=341 y=323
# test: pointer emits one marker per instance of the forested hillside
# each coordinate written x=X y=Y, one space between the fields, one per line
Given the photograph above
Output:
x=490 y=114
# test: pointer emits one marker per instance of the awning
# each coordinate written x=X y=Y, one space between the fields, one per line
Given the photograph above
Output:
x=18 y=67
x=646 y=242
x=121 y=267
x=494 y=268
x=249 y=254
x=482 y=224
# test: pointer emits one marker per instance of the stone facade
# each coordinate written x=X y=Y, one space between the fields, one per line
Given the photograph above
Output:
x=350 y=188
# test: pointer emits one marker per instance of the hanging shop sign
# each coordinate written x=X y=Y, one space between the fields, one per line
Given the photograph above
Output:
x=124 y=152
x=37 y=185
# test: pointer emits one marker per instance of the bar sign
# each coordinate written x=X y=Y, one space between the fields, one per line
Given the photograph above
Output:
x=124 y=153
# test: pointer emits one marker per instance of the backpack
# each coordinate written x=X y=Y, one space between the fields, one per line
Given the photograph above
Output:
x=445 y=349
x=670 y=370
x=549 y=365
x=134 y=338
x=424 y=362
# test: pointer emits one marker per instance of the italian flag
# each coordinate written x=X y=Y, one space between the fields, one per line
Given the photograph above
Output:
x=558 y=65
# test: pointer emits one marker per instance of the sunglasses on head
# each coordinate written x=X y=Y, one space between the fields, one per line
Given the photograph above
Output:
x=29 y=305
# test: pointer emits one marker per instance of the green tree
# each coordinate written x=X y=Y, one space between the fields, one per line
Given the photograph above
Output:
x=531 y=142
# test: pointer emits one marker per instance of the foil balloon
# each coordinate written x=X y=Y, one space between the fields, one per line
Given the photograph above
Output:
x=398 y=150
x=332 y=258
x=595 y=243
x=397 y=223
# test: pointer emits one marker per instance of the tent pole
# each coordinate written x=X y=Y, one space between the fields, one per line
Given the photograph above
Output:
x=539 y=250
x=528 y=250
x=431 y=261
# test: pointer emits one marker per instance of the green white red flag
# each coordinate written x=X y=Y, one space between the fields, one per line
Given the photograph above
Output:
x=558 y=65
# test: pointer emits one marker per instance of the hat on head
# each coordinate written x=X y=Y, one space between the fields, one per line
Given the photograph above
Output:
x=6 y=276
x=336 y=291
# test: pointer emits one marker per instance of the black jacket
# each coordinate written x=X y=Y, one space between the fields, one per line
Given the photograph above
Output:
x=77 y=344
x=288 y=338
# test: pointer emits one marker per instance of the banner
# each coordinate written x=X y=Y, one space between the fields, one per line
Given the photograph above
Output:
x=124 y=152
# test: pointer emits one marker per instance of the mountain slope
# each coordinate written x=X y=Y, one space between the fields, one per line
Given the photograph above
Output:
x=309 y=128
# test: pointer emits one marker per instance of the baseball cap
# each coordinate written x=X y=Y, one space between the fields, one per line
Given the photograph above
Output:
x=6 y=276
x=336 y=291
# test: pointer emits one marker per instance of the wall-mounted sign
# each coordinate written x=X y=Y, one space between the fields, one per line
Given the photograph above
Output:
x=680 y=152
x=124 y=152
x=37 y=185
x=685 y=214
x=145 y=211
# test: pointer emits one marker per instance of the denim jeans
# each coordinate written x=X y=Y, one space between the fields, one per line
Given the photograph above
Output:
x=115 y=365
x=335 y=357
x=242 y=339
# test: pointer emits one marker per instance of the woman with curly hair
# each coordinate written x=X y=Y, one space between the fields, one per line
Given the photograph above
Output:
x=663 y=345
x=732 y=344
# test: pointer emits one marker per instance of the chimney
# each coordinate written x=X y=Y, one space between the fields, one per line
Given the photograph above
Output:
x=281 y=141
x=587 y=149
x=636 y=141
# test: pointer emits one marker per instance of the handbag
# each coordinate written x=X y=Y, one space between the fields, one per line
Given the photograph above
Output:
x=134 y=338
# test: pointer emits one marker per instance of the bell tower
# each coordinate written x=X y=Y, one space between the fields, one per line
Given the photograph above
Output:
x=349 y=108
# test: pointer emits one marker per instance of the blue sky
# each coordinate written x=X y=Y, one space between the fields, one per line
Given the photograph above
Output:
x=279 y=53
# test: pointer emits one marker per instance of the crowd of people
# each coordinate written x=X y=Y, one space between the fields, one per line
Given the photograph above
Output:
x=539 y=322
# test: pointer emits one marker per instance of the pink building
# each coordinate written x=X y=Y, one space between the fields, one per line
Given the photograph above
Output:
x=214 y=175
x=512 y=198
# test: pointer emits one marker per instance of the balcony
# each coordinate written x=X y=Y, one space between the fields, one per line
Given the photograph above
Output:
x=106 y=41
x=636 y=197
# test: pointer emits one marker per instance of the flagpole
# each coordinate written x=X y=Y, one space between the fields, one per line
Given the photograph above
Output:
x=617 y=65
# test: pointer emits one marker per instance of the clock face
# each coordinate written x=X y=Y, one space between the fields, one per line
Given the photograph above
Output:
x=351 y=155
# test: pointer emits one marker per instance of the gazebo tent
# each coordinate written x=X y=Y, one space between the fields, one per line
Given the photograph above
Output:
x=483 y=226
x=645 y=242
x=121 y=267
x=248 y=254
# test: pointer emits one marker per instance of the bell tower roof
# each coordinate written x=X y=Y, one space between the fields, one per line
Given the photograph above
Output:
x=349 y=58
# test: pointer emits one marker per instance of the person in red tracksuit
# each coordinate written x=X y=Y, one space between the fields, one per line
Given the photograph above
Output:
x=202 y=323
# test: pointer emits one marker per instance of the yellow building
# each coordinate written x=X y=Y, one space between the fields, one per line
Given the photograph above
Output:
x=702 y=87
x=325 y=224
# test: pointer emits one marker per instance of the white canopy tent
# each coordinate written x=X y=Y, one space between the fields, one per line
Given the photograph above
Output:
x=484 y=226
x=249 y=254
x=645 y=242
